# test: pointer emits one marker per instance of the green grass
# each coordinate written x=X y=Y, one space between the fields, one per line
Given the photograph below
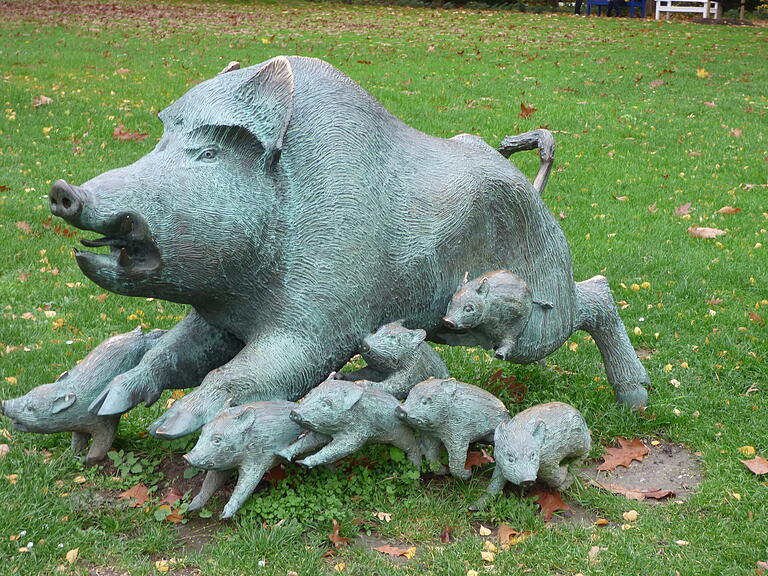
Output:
x=620 y=133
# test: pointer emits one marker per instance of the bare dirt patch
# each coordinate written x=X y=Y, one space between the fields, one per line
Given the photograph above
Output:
x=668 y=466
x=373 y=540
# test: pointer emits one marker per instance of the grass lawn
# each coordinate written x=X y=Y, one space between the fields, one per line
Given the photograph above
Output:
x=658 y=126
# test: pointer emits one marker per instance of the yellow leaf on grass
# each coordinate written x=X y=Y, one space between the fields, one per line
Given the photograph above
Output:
x=702 y=73
x=340 y=567
x=748 y=451
x=11 y=380
x=79 y=479
x=484 y=531
x=72 y=555
x=12 y=478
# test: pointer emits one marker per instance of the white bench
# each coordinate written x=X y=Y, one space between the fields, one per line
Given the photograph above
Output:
x=707 y=8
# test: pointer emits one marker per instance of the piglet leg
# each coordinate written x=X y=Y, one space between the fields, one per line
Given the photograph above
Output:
x=79 y=441
x=248 y=479
x=457 y=459
x=214 y=479
x=103 y=436
x=309 y=442
x=339 y=447
x=494 y=487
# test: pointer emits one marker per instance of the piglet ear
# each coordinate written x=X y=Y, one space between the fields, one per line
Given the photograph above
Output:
x=450 y=386
x=351 y=397
x=269 y=96
x=227 y=404
x=247 y=416
x=483 y=288
x=63 y=402
x=539 y=430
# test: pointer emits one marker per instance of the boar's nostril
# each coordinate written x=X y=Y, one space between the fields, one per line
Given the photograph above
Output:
x=295 y=416
x=449 y=323
x=364 y=348
x=66 y=200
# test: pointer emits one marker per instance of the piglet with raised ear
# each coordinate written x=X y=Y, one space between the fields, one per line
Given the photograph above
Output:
x=62 y=406
x=247 y=438
x=455 y=413
x=343 y=416
x=538 y=443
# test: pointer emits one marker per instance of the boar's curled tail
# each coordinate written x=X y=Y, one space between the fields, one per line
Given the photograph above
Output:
x=540 y=139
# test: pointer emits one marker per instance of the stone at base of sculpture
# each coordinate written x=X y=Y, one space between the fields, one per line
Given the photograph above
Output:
x=62 y=406
x=397 y=359
x=344 y=416
x=538 y=443
x=455 y=413
x=246 y=438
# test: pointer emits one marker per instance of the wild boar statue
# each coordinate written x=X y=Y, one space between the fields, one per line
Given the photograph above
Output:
x=296 y=215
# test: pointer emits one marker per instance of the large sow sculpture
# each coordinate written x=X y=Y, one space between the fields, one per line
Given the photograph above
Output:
x=296 y=215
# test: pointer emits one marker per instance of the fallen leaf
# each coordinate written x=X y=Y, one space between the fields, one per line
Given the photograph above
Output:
x=138 y=494
x=395 y=551
x=121 y=133
x=4 y=188
x=702 y=73
x=761 y=568
x=337 y=539
x=171 y=496
x=475 y=458
x=621 y=198
x=41 y=100
x=490 y=546
x=484 y=531
x=487 y=556
x=758 y=465
x=340 y=567
x=636 y=493
x=510 y=537
x=682 y=542
x=508 y=384
x=652 y=208
x=703 y=232
x=162 y=566
x=72 y=555
x=122 y=71
x=4 y=449
x=656 y=83
x=628 y=451
x=79 y=479
x=384 y=516
x=755 y=317
x=748 y=451
x=683 y=209
x=175 y=517
x=710 y=104
x=12 y=478
x=275 y=475
x=593 y=554
x=736 y=132
x=728 y=210
x=446 y=535
x=526 y=111
x=714 y=301
x=601 y=522
x=630 y=515
x=24 y=227
x=549 y=502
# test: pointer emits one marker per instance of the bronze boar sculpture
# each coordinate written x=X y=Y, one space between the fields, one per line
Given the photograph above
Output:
x=296 y=215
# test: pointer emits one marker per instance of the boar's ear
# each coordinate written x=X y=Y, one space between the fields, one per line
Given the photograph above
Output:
x=539 y=430
x=331 y=376
x=450 y=386
x=246 y=417
x=483 y=288
x=227 y=404
x=418 y=336
x=269 y=93
x=63 y=402
x=351 y=397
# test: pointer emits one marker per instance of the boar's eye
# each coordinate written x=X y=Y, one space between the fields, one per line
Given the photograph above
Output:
x=326 y=403
x=208 y=155
x=469 y=308
x=29 y=408
x=426 y=400
x=216 y=440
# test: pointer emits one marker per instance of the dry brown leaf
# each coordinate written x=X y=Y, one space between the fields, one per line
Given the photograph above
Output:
x=757 y=465
x=122 y=71
x=704 y=232
x=755 y=317
x=636 y=493
x=526 y=111
x=395 y=551
x=171 y=496
x=653 y=208
x=41 y=100
x=728 y=210
x=138 y=495
x=121 y=133
x=475 y=458
x=761 y=568
x=4 y=449
x=621 y=198
x=337 y=539
x=446 y=535
x=656 y=83
x=510 y=537
x=714 y=301
x=72 y=555
x=509 y=384
x=628 y=451
x=24 y=227
x=275 y=475
x=683 y=209
x=484 y=531
x=549 y=502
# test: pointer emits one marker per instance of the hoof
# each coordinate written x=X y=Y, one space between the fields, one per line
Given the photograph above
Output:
x=285 y=455
x=635 y=398
x=474 y=507
x=175 y=425
x=195 y=505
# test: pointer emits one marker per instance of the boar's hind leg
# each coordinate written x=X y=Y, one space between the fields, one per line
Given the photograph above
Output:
x=248 y=479
x=335 y=450
x=457 y=459
x=540 y=139
x=103 y=436
x=598 y=316
x=214 y=479
x=407 y=442
x=307 y=442
x=79 y=441
x=180 y=359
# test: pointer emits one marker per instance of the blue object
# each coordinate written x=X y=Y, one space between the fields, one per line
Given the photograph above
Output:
x=631 y=4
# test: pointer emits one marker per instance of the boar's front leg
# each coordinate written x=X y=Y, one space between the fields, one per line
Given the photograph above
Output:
x=494 y=487
x=457 y=457
x=336 y=449
x=305 y=443
x=79 y=441
x=597 y=315
x=181 y=359
x=103 y=436
x=214 y=479
x=248 y=479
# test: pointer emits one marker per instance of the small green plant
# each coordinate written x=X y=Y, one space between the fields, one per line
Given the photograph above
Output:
x=132 y=468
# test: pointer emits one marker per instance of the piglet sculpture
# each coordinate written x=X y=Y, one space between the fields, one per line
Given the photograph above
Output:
x=398 y=359
x=538 y=443
x=343 y=416
x=62 y=406
x=456 y=413
x=245 y=437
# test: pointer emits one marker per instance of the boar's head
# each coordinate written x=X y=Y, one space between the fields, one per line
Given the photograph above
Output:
x=199 y=208
x=223 y=440
x=45 y=409
x=428 y=404
x=329 y=407
x=467 y=307
x=389 y=346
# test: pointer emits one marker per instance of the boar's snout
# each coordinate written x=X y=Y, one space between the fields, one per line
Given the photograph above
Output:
x=67 y=201
x=365 y=348
x=449 y=323
x=401 y=413
x=296 y=417
x=527 y=483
